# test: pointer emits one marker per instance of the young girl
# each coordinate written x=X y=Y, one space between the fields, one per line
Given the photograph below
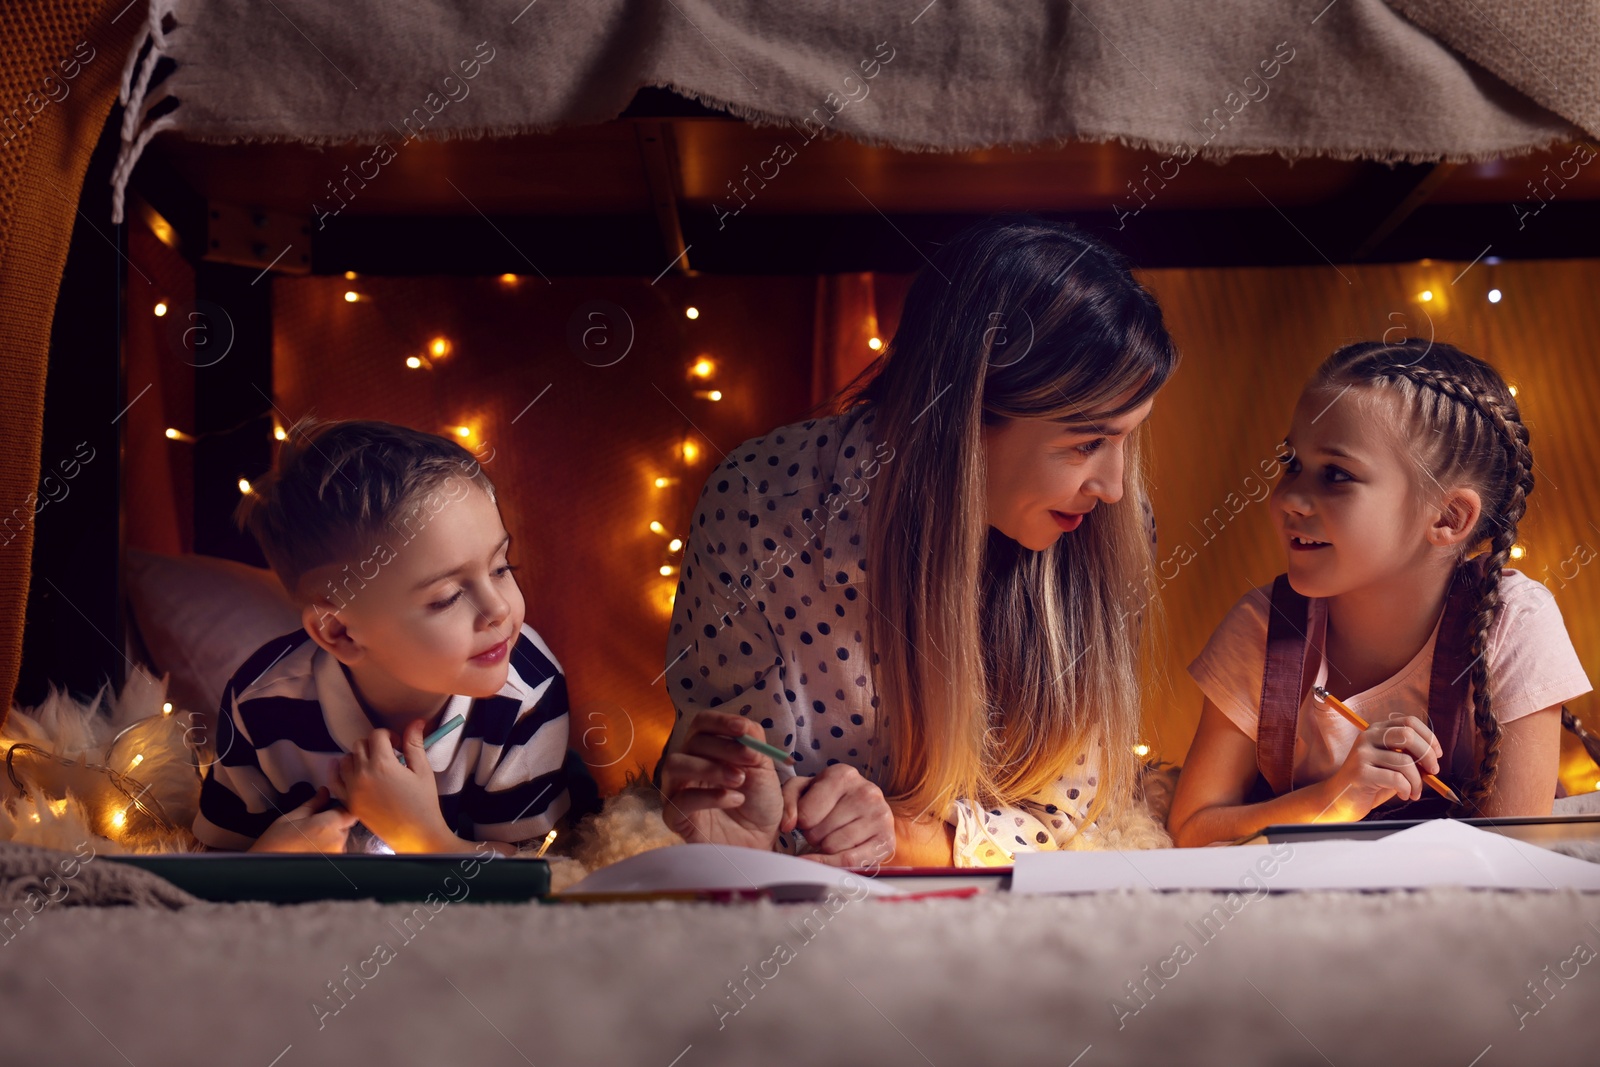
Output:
x=1401 y=459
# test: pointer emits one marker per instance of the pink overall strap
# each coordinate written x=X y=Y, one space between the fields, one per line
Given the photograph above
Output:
x=1449 y=713
x=1281 y=685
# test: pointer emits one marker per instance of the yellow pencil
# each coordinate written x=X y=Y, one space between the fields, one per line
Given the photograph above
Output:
x=1322 y=696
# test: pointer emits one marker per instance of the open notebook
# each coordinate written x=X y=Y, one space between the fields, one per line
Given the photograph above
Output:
x=1442 y=852
x=702 y=867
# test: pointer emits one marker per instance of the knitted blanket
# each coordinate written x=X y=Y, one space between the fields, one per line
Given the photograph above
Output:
x=1413 y=80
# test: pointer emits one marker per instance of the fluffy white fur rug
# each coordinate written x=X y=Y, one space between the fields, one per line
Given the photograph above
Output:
x=61 y=806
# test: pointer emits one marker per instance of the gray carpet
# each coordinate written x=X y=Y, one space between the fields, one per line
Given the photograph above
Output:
x=1346 y=978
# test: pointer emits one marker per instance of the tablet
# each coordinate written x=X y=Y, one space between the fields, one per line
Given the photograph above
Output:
x=295 y=878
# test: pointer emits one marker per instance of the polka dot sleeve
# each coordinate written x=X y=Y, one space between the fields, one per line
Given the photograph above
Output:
x=722 y=653
x=1052 y=820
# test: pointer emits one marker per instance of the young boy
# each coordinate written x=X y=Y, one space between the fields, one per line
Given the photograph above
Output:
x=391 y=541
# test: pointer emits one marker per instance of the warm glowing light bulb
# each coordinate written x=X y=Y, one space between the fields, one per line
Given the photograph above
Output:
x=172 y=435
x=349 y=275
x=1518 y=551
x=413 y=362
x=280 y=433
x=703 y=368
x=351 y=296
x=657 y=528
x=161 y=308
x=463 y=431
x=439 y=347
x=666 y=570
x=709 y=394
x=138 y=758
x=1141 y=749
x=166 y=709
x=691 y=452
x=119 y=817
x=244 y=486
x=675 y=545
x=508 y=279
x=1494 y=296
x=1514 y=390
x=874 y=343
x=1425 y=295
x=662 y=483
x=691 y=312
x=34 y=816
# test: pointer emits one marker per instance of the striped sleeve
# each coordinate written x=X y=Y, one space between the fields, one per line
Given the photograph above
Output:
x=237 y=799
x=237 y=802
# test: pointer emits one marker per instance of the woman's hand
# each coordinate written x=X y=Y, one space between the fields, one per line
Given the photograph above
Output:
x=718 y=791
x=1387 y=760
x=312 y=827
x=397 y=802
x=843 y=816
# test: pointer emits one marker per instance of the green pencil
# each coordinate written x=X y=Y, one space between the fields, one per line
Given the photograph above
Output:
x=778 y=755
x=428 y=742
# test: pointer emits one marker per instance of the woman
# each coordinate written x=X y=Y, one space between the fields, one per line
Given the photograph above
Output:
x=931 y=598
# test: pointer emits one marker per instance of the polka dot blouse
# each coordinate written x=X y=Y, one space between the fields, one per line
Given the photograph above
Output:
x=770 y=621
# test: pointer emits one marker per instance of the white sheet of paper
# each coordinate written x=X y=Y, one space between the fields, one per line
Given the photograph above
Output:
x=1440 y=852
x=679 y=868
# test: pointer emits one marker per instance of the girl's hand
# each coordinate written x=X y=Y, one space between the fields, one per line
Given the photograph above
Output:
x=308 y=828
x=716 y=790
x=1388 y=760
x=398 y=802
x=843 y=816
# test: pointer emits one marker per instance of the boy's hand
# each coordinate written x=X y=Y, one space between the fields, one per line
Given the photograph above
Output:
x=308 y=828
x=843 y=815
x=1387 y=760
x=716 y=790
x=398 y=802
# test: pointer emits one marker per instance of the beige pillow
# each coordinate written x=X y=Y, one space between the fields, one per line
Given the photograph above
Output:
x=201 y=617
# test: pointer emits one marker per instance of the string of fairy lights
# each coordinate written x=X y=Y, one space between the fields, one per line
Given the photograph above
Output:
x=115 y=819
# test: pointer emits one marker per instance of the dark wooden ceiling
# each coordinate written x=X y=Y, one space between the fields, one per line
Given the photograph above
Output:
x=628 y=196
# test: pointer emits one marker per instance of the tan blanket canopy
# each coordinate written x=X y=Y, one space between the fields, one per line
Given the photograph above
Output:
x=1411 y=80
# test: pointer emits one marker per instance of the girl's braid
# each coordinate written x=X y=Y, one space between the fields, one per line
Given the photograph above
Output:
x=1513 y=435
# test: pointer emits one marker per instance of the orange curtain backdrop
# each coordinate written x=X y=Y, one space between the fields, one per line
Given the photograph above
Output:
x=41 y=171
x=851 y=310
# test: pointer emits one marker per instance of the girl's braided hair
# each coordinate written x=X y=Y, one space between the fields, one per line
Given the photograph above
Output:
x=1465 y=430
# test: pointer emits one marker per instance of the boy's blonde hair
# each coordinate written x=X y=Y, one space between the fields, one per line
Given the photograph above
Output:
x=340 y=489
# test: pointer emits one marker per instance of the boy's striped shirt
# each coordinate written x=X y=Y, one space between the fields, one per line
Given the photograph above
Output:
x=289 y=713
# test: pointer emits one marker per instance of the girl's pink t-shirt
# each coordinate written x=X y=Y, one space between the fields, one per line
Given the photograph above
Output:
x=1532 y=665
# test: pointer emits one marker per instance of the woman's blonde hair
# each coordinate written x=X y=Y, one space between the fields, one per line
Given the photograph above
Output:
x=994 y=665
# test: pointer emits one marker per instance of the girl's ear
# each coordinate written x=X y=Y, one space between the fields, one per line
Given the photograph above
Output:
x=1456 y=518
